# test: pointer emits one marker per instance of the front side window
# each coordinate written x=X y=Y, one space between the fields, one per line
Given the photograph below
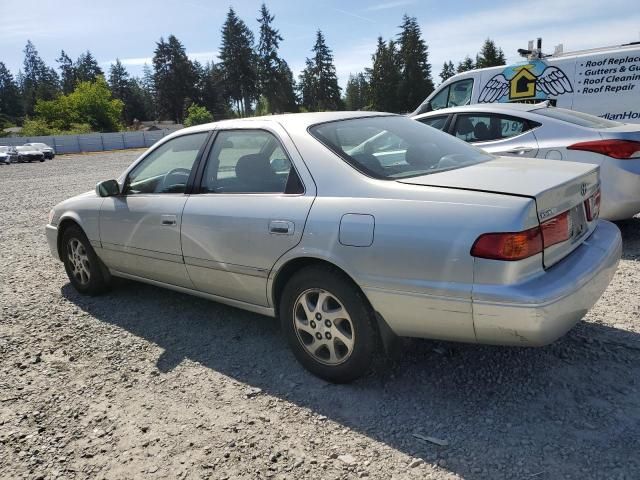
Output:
x=484 y=127
x=167 y=168
x=440 y=100
x=249 y=161
x=393 y=147
x=460 y=93
x=435 y=122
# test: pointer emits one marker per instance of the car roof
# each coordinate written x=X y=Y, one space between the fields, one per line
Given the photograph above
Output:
x=298 y=119
x=487 y=107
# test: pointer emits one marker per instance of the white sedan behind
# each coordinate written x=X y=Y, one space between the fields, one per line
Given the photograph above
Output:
x=543 y=131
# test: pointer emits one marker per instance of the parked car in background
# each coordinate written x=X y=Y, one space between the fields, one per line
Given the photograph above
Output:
x=29 y=154
x=48 y=151
x=349 y=226
x=543 y=131
x=8 y=155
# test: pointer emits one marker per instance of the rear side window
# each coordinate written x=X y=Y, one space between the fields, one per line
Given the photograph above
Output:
x=249 y=161
x=576 y=118
x=484 y=127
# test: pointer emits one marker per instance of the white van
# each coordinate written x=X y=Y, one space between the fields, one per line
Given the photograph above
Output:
x=603 y=82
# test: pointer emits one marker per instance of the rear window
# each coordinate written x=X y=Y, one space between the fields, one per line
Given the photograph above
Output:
x=576 y=118
x=393 y=147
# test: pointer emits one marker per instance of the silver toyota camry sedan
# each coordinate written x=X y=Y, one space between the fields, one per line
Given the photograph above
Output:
x=352 y=228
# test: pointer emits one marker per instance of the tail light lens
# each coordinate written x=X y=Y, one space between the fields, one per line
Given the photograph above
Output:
x=556 y=230
x=592 y=206
x=620 y=149
x=512 y=246
x=508 y=246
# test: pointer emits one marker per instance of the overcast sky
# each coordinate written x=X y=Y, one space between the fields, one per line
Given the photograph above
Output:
x=129 y=29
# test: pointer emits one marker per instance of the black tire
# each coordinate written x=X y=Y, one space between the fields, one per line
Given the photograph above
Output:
x=97 y=281
x=362 y=324
x=42 y=159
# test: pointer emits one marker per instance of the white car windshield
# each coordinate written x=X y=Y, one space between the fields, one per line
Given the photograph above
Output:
x=393 y=147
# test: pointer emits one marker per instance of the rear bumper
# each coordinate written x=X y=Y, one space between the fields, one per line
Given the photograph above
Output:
x=51 y=232
x=541 y=310
x=532 y=313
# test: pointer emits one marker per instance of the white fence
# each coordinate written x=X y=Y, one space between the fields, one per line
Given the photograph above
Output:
x=92 y=142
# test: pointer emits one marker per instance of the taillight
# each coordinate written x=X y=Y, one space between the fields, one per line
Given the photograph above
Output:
x=511 y=246
x=592 y=206
x=556 y=230
x=508 y=246
x=620 y=149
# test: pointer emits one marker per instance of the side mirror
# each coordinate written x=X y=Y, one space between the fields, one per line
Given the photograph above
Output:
x=108 y=188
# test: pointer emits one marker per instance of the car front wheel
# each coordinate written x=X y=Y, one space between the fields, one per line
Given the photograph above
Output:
x=81 y=263
x=328 y=324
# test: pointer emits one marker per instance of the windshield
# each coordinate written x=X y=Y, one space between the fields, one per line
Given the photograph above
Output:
x=393 y=147
x=576 y=118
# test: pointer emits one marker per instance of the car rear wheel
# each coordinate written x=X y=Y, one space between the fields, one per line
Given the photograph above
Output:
x=328 y=324
x=84 y=268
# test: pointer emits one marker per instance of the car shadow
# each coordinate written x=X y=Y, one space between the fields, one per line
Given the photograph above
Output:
x=504 y=412
x=630 y=230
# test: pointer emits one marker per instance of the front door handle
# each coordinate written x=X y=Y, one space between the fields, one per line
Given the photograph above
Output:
x=519 y=150
x=281 y=227
x=169 y=220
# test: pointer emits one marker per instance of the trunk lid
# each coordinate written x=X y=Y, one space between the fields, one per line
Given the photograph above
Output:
x=556 y=186
x=625 y=131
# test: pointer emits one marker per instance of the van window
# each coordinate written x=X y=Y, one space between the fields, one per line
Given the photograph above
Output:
x=454 y=95
x=576 y=118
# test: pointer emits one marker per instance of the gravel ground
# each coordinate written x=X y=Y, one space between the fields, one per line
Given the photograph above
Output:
x=148 y=383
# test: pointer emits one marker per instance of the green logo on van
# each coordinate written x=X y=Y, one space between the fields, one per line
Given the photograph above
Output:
x=533 y=80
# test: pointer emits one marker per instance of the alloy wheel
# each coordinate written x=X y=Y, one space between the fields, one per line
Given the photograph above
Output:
x=79 y=261
x=323 y=326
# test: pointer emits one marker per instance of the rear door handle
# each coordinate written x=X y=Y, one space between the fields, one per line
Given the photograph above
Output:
x=169 y=220
x=281 y=227
x=519 y=150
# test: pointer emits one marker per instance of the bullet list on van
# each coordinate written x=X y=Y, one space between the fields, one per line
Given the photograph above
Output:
x=612 y=80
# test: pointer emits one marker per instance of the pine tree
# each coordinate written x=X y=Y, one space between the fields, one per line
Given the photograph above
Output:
x=307 y=86
x=87 y=68
x=448 y=71
x=274 y=75
x=384 y=77
x=174 y=78
x=466 y=65
x=37 y=81
x=136 y=107
x=318 y=81
x=67 y=73
x=416 y=83
x=212 y=91
x=118 y=80
x=128 y=90
x=10 y=101
x=148 y=85
x=490 y=55
x=357 y=92
x=239 y=62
